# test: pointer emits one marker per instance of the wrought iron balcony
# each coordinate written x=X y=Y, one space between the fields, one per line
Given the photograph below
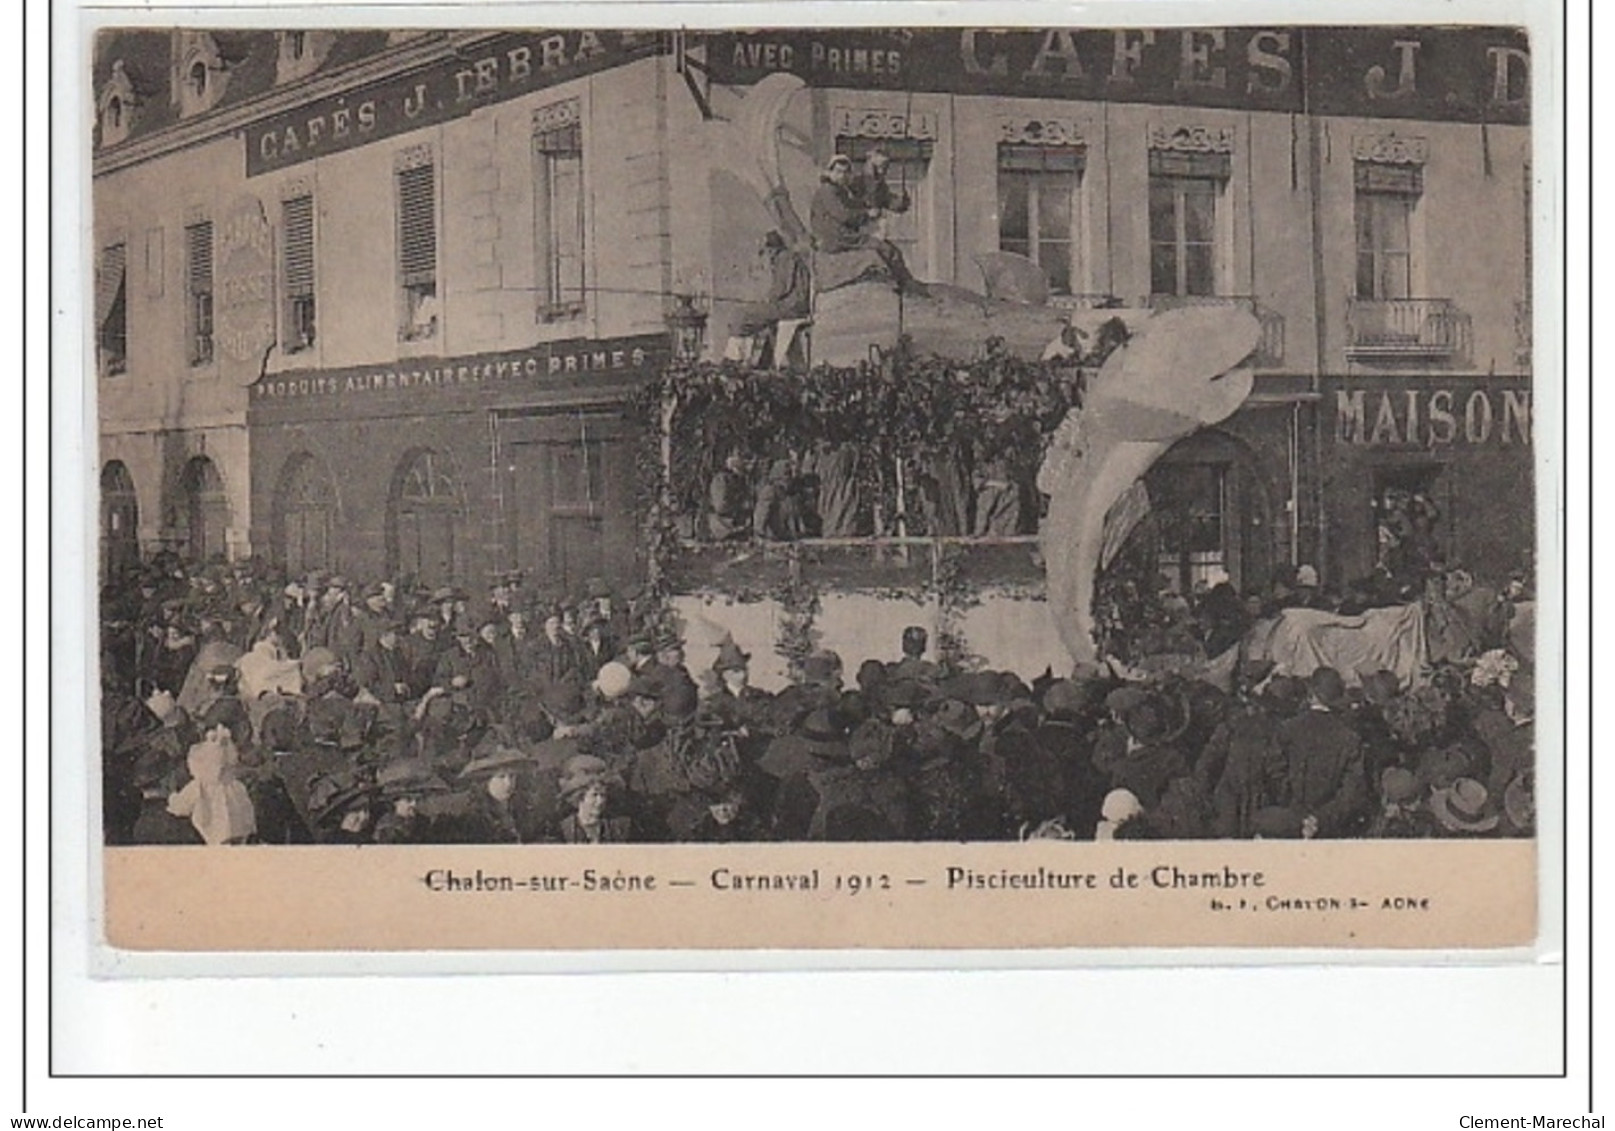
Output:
x=1269 y=353
x=1522 y=332
x=1403 y=328
x=1086 y=301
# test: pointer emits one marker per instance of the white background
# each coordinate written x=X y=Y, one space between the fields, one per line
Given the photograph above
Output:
x=1433 y=1018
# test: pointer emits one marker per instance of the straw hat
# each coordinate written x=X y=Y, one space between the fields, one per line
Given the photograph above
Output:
x=1461 y=807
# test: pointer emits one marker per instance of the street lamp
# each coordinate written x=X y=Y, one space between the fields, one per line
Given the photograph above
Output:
x=689 y=329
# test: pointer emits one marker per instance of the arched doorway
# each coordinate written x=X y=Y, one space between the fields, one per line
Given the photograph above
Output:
x=206 y=509
x=1209 y=511
x=305 y=516
x=424 y=519
x=120 y=519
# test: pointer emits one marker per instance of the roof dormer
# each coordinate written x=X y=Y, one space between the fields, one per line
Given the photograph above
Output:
x=201 y=73
x=301 y=52
x=115 y=106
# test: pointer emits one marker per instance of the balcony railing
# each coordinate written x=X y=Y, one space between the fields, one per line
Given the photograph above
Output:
x=1086 y=301
x=1522 y=332
x=1403 y=328
x=1269 y=353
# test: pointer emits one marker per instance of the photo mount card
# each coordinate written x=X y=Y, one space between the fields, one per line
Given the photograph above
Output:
x=513 y=445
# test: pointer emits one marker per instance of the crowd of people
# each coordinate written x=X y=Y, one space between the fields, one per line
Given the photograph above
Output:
x=240 y=707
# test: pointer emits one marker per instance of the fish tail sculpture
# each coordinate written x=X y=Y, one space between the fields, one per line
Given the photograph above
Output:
x=749 y=147
x=1178 y=373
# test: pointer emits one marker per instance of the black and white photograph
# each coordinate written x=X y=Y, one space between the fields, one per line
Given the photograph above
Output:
x=949 y=435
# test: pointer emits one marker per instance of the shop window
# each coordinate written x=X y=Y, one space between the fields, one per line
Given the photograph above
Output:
x=199 y=291
x=1037 y=198
x=305 y=516
x=1411 y=519
x=1386 y=316
x=1189 y=506
x=1183 y=234
x=907 y=174
x=567 y=478
x=297 y=255
x=559 y=201
x=206 y=510
x=417 y=249
x=577 y=512
x=425 y=525
x=120 y=519
x=112 y=310
x=1387 y=197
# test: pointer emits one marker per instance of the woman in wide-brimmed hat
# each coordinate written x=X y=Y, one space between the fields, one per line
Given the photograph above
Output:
x=588 y=787
x=742 y=706
x=502 y=814
x=405 y=784
x=341 y=808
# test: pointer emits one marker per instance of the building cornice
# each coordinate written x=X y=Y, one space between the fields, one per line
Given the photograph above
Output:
x=434 y=47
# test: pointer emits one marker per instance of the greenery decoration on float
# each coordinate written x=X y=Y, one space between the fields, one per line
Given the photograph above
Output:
x=906 y=413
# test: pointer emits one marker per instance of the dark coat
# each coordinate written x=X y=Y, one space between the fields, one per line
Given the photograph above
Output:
x=839 y=219
x=553 y=661
x=1246 y=769
x=752 y=709
x=943 y=789
x=879 y=791
x=420 y=657
x=1147 y=770
x=380 y=670
x=1084 y=785
x=1326 y=776
x=477 y=668
x=1509 y=745
x=1022 y=776
x=613 y=830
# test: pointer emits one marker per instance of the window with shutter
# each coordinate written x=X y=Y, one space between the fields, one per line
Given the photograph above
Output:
x=1183 y=232
x=1385 y=201
x=1037 y=192
x=559 y=226
x=417 y=249
x=297 y=254
x=199 y=291
x=907 y=175
x=111 y=310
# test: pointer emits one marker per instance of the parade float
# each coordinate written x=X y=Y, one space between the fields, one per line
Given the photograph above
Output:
x=910 y=392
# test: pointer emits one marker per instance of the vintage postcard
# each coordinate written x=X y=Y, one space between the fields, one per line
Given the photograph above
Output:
x=817 y=487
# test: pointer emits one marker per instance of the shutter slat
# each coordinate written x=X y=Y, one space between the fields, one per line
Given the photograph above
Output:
x=1170 y=163
x=417 y=225
x=1014 y=158
x=898 y=149
x=109 y=280
x=568 y=139
x=1372 y=176
x=297 y=217
x=199 y=257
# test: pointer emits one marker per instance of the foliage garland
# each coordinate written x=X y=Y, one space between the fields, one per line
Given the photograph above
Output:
x=903 y=410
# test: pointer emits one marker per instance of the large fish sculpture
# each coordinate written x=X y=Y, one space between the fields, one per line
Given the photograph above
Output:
x=1179 y=372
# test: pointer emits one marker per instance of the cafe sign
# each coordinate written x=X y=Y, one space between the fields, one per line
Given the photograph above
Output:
x=1471 y=74
x=244 y=292
x=1441 y=417
x=495 y=70
x=434 y=377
